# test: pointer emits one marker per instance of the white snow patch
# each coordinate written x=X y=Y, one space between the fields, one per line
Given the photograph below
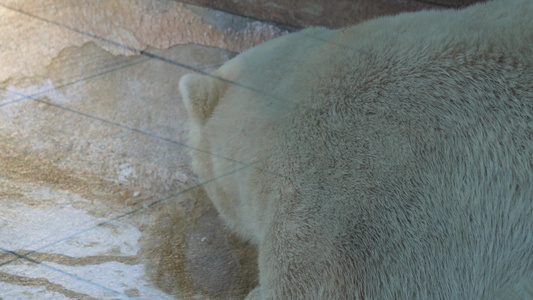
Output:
x=126 y=172
x=13 y=291
x=30 y=228
x=104 y=281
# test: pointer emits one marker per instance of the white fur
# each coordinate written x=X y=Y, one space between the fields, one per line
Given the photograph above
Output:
x=398 y=155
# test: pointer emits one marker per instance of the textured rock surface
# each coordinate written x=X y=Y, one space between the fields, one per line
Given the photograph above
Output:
x=120 y=27
x=331 y=14
x=91 y=138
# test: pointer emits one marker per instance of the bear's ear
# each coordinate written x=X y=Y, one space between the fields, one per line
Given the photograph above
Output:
x=200 y=94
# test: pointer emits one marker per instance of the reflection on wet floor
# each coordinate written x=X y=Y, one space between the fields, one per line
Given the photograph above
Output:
x=91 y=150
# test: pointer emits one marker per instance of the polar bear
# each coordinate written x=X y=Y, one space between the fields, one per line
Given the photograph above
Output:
x=388 y=160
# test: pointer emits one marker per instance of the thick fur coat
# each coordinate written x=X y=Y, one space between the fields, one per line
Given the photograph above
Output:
x=389 y=160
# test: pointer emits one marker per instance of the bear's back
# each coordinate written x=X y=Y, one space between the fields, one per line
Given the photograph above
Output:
x=398 y=154
x=418 y=150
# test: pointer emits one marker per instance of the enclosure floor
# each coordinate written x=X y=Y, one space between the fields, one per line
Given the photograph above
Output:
x=92 y=136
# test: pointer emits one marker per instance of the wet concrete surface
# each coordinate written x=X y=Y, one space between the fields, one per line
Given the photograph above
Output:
x=93 y=158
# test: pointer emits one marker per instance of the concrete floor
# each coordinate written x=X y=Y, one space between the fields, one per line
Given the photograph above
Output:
x=91 y=139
